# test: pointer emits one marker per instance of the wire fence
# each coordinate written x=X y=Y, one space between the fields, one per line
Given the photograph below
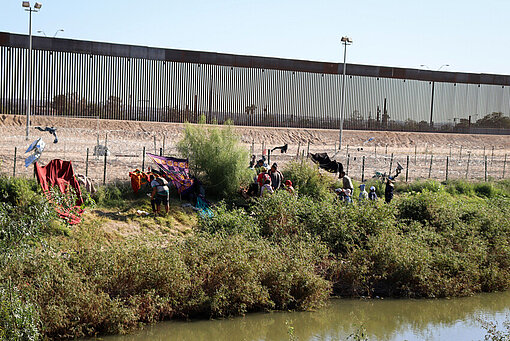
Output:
x=127 y=152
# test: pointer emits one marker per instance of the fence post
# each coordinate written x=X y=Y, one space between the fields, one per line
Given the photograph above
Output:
x=415 y=152
x=386 y=152
x=430 y=167
x=375 y=151
x=308 y=149
x=391 y=164
x=348 y=161
x=14 y=167
x=347 y=151
x=269 y=157
x=504 y=167
x=467 y=167
x=407 y=168
x=87 y=165
x=450 y=151
x=298 y=147
x=483 y=151
x=104 y=170
x=460 y=153
x=485 y=163
x=363 y=169
x=335 y=146
x=160 y=151
x=447 y=159
x=492 y=156
x=252 y=146
x=143 y=159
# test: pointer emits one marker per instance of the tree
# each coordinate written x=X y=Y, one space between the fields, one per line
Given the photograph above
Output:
x=494 y=120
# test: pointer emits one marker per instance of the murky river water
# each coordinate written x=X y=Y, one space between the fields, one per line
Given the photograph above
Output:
x=395 y=319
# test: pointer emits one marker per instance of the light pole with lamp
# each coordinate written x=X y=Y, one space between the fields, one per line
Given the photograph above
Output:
x=346 y=41
x=44 y=33
x=37 y=7
x=432 y=98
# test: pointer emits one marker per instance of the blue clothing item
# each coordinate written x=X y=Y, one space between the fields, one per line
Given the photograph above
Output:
x=372 y=196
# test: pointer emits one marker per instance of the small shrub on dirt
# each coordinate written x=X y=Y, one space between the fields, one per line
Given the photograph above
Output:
x=217 y=158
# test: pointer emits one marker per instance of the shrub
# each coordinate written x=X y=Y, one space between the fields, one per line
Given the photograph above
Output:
x=216 y=158
x=115 y=195
x=110 y=289
x=307 y=179
x=18 y=319
x=229 y=221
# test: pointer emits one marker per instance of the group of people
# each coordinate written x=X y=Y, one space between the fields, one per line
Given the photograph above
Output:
x=267 y=181
x=346 y=191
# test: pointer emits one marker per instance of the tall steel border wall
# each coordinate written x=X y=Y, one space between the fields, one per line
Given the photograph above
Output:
x=83 y=78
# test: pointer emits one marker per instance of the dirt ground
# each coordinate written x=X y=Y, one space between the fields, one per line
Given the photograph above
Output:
x=465 y=154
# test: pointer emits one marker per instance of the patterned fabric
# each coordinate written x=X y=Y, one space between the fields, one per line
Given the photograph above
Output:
x=176 y=170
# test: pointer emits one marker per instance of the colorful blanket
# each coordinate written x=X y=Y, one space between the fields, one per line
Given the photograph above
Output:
x=176 y=170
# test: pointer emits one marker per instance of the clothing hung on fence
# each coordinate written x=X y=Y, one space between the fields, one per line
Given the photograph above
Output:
x=326 y=163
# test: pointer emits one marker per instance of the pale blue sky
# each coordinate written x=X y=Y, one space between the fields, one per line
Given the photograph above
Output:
x=471 y=36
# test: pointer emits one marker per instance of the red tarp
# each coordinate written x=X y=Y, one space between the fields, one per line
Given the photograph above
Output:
x=60 y=173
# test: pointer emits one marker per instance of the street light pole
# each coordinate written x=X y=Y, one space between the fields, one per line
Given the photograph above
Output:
x=346 y=41
x=36 y=8
x=432 y=96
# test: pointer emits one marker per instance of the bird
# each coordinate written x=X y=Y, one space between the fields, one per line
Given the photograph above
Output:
x=51 y=130
x=283 y=149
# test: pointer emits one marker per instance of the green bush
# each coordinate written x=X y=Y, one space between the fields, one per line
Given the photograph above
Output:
x=229 y=221
x=24 y=212
x=110 y=289
x=216 y=157
x=116 y=195
x=18 y=319
x=307 y=179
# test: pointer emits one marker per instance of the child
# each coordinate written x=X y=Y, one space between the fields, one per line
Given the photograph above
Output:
x=363 y=195
x=372 y=195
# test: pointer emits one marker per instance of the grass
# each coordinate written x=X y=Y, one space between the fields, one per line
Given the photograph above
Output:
x=118 y=269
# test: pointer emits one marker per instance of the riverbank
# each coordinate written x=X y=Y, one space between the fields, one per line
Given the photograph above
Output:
x=118 y=270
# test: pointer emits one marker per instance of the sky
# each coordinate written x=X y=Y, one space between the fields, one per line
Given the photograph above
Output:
x=468 y=35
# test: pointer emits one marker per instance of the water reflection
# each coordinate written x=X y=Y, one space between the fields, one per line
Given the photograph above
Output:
x=383 y=320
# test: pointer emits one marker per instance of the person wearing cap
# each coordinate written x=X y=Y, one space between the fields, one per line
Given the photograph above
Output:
x=388 y=191
x=276 y=177
x=346 y=182
x=363 y=195
x=288 y=187
x=372 y=195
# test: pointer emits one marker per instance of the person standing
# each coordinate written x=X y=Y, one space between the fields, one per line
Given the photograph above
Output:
x=346 y=182
x=276 y=177
x=388 y=191
x=363 y=195
x=160 y=193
